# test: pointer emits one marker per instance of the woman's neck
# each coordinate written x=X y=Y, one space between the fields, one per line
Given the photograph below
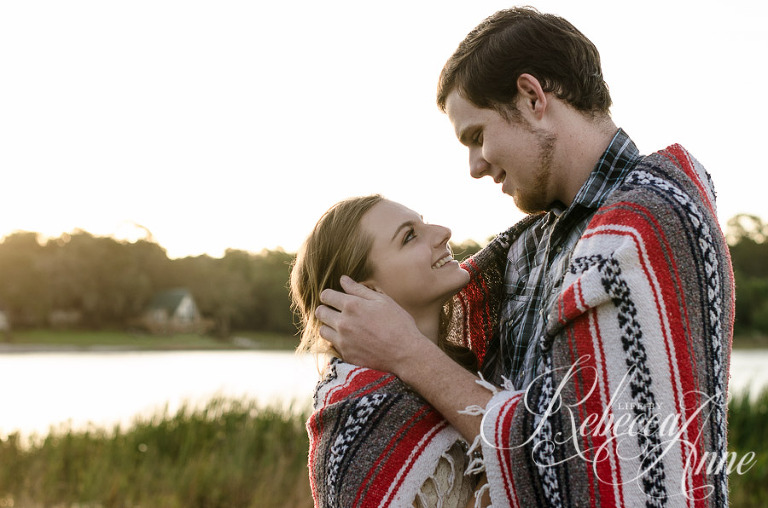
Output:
x=428 y=321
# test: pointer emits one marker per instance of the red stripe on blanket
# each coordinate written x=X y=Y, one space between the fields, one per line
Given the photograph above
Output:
x=657 y=261
x=596 y=417
x=606 y=393
x=477 y=315
x=682 y=158
x=571 y=303
x=504 y=447
x=359 y=382
x=385 y=477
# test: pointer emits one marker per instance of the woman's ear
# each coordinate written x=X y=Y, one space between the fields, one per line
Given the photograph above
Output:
x=372 y=286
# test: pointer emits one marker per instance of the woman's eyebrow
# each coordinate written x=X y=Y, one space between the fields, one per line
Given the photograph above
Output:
x=406 y=224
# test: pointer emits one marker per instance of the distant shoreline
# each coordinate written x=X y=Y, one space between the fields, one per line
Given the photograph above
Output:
x=71 y=348
x=117 y=341
x=43 y=341
x=106 y=348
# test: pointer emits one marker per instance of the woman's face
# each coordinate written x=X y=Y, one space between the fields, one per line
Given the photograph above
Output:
x=411 y=260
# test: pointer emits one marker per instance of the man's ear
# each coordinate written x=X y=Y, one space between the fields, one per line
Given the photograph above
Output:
x=532 y=96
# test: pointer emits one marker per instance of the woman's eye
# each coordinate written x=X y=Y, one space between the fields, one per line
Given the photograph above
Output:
x=478 y=139
x=410 y=235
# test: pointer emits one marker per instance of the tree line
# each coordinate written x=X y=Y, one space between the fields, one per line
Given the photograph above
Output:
x=107 y=283
x=748 y=242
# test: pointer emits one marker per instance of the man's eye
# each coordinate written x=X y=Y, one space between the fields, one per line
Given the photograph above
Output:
x=478 y=139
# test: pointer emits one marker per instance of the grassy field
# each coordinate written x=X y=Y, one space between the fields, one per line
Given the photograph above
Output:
x=748 y=432
x=229 y=454
x=233 y=454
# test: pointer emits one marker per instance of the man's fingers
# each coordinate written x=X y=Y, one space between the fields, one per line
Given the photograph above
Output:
x=355 y=288
x=327 y=315
x=329 y=334
x=352 y=291
x=333 y=298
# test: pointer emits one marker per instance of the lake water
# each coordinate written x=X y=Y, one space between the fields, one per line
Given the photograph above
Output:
x=38 y=390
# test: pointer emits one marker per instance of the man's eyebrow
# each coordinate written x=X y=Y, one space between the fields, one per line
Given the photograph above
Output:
x=465 y=133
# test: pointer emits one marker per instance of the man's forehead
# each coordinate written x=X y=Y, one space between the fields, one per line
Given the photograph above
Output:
x=461 y=113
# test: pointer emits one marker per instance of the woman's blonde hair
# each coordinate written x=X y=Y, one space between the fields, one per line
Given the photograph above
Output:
x=336 y=246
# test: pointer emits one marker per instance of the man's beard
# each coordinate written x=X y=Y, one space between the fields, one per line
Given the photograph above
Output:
x=536 y=199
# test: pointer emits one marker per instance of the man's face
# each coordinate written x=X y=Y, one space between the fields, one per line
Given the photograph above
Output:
x=512 y=152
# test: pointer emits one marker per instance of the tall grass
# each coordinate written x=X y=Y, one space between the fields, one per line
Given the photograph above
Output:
x=227 y=454
x=748 y=432
x=235 y=454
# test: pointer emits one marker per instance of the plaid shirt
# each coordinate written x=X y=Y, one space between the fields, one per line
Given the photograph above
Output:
x=538 y=260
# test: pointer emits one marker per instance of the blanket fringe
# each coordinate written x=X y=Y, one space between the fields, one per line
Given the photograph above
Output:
x=476 y=464
x=422 y=498
x=441 y=495
x=479 y=493
x=507 y=384
x=488 y=386
x=452 y=479
x=474 y=453
x=473 y=410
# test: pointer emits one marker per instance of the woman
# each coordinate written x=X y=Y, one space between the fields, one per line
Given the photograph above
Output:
x=373 y=441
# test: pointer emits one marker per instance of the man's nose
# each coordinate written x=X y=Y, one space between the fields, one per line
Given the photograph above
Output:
x=478 y=166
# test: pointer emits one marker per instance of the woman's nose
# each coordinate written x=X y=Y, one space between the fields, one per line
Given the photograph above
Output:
x=441 y=235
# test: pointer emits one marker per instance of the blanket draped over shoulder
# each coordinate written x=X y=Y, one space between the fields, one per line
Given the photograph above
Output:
x=374 y=441
x=629 y=404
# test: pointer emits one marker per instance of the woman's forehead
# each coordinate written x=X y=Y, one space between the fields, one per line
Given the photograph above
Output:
x=386 y=215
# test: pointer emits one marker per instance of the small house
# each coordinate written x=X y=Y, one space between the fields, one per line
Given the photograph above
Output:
x=173 y=311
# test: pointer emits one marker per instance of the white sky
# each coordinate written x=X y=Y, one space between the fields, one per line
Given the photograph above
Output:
x=220 y=124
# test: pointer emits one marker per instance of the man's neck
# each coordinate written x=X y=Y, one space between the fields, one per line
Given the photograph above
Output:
x=581 y=143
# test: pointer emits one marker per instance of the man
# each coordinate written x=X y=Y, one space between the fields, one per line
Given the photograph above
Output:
x=616 y=310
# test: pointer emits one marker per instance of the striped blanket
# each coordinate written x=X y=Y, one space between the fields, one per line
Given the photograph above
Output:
x=373 y=440
x=629 y=407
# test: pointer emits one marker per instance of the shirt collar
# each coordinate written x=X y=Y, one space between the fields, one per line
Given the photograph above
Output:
x=619 y=158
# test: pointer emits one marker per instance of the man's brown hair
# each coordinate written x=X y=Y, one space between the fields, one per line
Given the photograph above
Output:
x=485 y=67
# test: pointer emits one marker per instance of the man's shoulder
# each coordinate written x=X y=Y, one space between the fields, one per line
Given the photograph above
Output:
x=671 y=177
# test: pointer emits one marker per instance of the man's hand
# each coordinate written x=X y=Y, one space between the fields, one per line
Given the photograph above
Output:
x=367 y=327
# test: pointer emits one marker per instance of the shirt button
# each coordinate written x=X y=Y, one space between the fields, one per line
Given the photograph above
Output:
x=559 y=248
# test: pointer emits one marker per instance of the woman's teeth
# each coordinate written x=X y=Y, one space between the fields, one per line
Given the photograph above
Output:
x=441 y=262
